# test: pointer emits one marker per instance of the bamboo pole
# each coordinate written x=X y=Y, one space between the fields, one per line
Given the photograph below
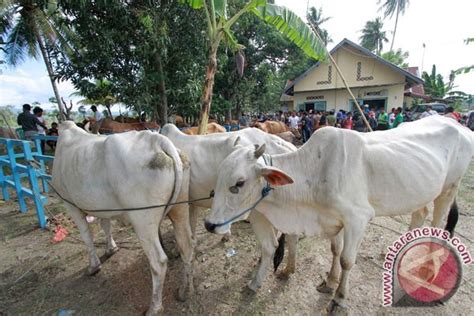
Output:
x=343 y=80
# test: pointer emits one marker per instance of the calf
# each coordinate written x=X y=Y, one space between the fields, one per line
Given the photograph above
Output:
x=151 y=173
x=340 y=179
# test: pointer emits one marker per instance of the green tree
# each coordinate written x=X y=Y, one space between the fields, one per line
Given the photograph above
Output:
x=8 y=115
x=391 y=7
x=30 y=29
x=435 y=85
x=373 y=37
x=219 y=28
x=397 y=57
x=147 y=50
x=315 y=18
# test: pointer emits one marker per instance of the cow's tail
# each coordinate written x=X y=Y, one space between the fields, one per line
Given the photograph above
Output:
x=453 y=217
x=279 y=253
x=171 y=151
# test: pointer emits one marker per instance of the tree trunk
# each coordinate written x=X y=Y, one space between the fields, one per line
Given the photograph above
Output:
x=163 y=108
x=207 y=91
x=109 y=111
x=49 y=68
x=395 y=28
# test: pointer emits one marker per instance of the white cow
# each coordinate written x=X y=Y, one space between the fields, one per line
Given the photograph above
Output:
x=205 y=153
x=134 y=169
x=342 y=179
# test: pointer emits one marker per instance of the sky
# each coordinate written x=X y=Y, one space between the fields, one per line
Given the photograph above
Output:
x=441 y=25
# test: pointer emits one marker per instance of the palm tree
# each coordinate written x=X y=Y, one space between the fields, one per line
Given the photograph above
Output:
x=27 y=26
x=315 y=19
x=372 y=36
x=394 y=6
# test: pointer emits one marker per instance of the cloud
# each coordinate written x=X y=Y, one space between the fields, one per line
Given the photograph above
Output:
x=18 y=87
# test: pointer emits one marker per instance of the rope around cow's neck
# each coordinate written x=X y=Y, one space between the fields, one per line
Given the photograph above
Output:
x=130 y=209
x=265 y=192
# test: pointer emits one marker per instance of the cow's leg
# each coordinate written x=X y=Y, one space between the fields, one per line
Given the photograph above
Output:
x=180 y=218
x=354 y=228
x=146 y=225
x=267 y=239
x=193 y=218
x=330 y=284
x=418 y=218
x=80 y=219
x=292 y=242
x=442 y=205
x=111 y=246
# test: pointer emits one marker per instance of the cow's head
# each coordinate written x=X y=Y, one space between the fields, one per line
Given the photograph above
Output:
x=241 y=178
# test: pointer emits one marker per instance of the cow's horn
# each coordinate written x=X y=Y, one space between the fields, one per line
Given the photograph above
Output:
x=259 y=150
x=237 y=141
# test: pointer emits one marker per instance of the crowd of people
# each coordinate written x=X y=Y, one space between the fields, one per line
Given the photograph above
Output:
x=378 y=119
x=34 y=124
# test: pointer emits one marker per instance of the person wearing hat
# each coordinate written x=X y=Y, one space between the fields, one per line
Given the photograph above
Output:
x=28 y=122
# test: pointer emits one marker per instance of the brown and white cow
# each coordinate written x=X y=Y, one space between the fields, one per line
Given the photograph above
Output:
x=272 y=127
x=109 y=126
x=212 y=128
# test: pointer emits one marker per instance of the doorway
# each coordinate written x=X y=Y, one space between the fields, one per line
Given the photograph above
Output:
x=376 y=104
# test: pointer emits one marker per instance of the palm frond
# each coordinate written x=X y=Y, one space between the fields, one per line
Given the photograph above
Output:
x=18 y=43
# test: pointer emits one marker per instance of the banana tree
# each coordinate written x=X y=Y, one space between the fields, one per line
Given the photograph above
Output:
x=219 y=28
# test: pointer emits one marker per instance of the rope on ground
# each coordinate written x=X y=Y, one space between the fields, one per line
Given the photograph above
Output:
x=388 y=228
x=29 y=270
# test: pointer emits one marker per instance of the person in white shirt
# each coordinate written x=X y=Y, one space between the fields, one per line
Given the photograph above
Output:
x=41 y=131
x=428 y=112
x=294 y=120
x=97 y=115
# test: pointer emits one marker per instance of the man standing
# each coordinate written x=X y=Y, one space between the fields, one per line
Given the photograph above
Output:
x=331 y=119
x=382 y=120
x=41 y=131
x=28 y=122
x=451 y=114
x=306 y=127
x=398 y=118
x=294 y=120
x=97 y=115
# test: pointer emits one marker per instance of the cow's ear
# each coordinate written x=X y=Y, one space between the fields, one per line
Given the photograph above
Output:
x=275 y=176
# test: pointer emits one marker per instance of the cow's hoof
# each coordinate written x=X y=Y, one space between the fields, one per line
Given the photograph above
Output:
x=334 y=308
x=285 y=274
x=324 y=288
x=226 y=238
x=93 y=270
x=154 y=311
x=110 y=252
x=253 y=286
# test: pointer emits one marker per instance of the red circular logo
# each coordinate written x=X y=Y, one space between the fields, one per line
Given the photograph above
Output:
x=429 y=271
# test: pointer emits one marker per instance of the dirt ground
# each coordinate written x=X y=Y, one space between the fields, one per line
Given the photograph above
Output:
x=38 y=277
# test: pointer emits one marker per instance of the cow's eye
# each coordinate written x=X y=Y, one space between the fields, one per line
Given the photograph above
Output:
x=234 y=190
x=240 y=184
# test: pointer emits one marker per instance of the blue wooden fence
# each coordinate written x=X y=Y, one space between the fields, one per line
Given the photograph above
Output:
x=21 y=160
